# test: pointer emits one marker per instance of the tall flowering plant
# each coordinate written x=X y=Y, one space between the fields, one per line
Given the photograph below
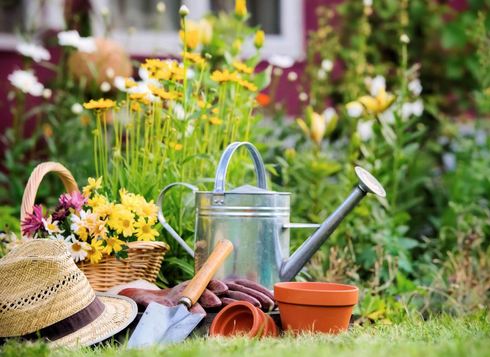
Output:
x=92 y=226
x=178 y=115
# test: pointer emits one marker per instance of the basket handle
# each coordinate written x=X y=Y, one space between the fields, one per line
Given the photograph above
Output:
x=35 y=179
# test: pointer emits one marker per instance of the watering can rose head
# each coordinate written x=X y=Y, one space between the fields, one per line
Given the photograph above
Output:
x=256 y=221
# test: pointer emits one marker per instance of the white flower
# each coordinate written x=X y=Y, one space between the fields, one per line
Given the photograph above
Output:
x=87 y=44
x=387 y=117
x=404 y=38
x=78 y=222
x=327 y=65
x=354 y=109
x=105 y=86
x=190 y=128
x=142 y=88
x=183 y=11
x=329 y=114
x=104 y=11
x=47 y=93
x=179 y=111
x=303 y=97
x=161 y=7
x=368 y=3
x=415 y=87
x=120 y=83
x=57 y=237
x=292 y=76
x=73 y=39
x=322 y=74
x=78 y=250
x=365 y=129
x=27 y=82
x=281 y=61
x=449 y=161
x=36 y=52
x=51 y=226
x=376 y=85
x=68 y=38
x=416 y=108
x=277 y=71
x=109 y=72
x=76 y=108
x=480 y=137
x=145 y=77
x=190 y=73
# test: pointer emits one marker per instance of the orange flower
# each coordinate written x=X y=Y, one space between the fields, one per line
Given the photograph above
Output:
x=263 y=99
x=47 y=130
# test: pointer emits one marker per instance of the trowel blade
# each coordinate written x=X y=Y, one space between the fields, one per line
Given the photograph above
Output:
x=162 y=324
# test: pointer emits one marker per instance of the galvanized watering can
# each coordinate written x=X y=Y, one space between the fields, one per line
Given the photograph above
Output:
x=256 y=221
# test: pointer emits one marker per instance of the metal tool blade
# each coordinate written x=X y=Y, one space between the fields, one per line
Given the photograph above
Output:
x=179 y=331
x=158 y=320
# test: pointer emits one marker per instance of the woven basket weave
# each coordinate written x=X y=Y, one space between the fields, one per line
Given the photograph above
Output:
x=144 y=258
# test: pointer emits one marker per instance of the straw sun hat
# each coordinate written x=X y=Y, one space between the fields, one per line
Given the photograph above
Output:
x=44 y=294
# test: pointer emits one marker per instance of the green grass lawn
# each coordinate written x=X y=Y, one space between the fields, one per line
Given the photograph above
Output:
x=443 y=336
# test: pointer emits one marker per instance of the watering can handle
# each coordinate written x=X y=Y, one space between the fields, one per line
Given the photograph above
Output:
x=164 y=222
x=219 y=183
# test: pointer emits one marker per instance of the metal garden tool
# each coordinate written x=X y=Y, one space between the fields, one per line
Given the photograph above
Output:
x=168 y=324
x=256 y=221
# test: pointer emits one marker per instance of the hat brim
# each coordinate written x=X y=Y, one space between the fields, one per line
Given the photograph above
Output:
x=118 y=313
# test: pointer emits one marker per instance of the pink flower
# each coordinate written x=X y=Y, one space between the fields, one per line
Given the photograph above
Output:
x=33 y=222
x=73 y=200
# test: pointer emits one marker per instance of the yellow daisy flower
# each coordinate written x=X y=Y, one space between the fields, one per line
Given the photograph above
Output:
x=94 y=251
x=97 y=200
x=241 y=8
x=145 y=230
x=122 y=220
x=215 y=121
x=248 y=85
x=242 y=67
x=93 y=184
x=99 y=104
x=104 y=210
x=113 y=244
x=194 y=57
x=148 y=210
x=82 y=233
x=379 y=103
x=162 y=93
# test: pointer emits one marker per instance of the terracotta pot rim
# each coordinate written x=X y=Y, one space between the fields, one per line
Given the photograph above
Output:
x=316 y=294
x=300 y=285
x=223 y=318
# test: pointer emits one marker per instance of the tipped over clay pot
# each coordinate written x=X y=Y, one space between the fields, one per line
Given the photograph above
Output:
x=315 y=307
x=241 y=318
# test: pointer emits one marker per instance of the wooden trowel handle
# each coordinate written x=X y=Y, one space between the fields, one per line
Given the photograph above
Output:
x=198 y=284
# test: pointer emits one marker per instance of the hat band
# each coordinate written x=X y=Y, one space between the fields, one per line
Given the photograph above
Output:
x=71 y=324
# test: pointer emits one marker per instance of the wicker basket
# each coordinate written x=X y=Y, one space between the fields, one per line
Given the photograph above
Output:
x=144 y=258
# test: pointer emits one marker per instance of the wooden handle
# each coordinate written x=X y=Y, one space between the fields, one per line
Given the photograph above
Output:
x=198 y=284
x=35 y=179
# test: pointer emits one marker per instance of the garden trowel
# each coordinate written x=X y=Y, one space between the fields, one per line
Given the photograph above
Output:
x=167 y=324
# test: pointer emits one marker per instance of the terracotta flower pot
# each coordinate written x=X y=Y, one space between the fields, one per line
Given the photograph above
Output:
x=242 y=318
x=315 y=307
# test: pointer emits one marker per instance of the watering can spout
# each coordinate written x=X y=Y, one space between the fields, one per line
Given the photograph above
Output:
x=289 y=268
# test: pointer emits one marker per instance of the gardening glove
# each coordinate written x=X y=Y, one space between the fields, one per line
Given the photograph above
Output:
x=247 y=290
x=171 y=296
